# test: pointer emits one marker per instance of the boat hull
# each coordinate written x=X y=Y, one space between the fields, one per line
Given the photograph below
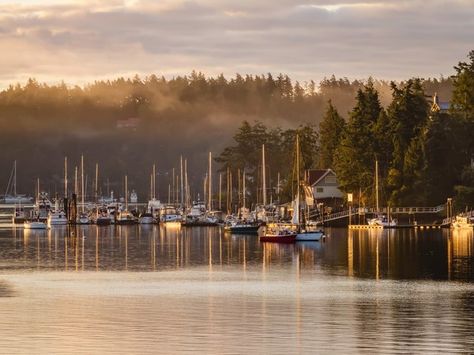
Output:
x=103 y=221
x=146 y=220
x=286 y=239
x=57 y=222
x=199 y=224
x=243 y=229
x=309 y=236
x=126 y=222
x=35 y=225
x=18 y=220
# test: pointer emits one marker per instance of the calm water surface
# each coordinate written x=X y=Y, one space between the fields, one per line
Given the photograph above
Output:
x=152 y=289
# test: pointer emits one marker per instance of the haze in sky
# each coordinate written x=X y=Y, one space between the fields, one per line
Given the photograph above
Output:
x=80 y=41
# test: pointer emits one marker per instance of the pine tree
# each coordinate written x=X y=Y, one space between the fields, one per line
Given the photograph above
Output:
x=356 y=153
x=463 y=93
x=407 y=115
x=330 y=131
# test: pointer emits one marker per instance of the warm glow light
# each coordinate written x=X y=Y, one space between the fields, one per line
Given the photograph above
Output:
x=172 y=224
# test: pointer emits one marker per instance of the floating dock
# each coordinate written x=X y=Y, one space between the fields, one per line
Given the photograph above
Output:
x=400 y=226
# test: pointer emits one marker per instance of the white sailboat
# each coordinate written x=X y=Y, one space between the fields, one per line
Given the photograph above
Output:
x=380 y=220
x=125 y=217
x=11 y=196
x=304 y=234
x=83 y=217
x=34 y=225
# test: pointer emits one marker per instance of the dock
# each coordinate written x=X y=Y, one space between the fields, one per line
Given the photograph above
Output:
x=400 y=226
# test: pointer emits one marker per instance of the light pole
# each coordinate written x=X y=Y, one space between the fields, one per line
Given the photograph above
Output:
x=349 y=200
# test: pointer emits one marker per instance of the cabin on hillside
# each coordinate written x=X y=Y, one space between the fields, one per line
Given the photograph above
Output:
x=325 y=187
x=438 y=106
x=130 y=123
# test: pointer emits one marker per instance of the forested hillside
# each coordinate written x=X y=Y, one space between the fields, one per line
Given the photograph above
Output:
x=126 y=124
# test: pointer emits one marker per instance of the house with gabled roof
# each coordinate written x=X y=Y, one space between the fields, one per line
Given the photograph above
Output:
x=439 y=106
x=324 y=184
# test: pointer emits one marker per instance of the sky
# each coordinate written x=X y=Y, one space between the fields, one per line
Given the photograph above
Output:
x=81 y=41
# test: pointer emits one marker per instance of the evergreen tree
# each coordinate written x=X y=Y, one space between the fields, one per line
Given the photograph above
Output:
x=463 y=92
x=330 y=131
x=355 y=156
x=407 y=115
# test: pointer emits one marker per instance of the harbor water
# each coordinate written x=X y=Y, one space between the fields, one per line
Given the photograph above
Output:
x=154 y=289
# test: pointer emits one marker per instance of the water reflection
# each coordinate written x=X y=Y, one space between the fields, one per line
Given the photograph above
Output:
x=217 y=293
x=377 y=254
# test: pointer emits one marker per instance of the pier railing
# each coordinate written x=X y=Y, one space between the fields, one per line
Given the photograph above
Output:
x=316 y=216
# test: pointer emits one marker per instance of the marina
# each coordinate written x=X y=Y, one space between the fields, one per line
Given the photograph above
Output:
x=87 y=286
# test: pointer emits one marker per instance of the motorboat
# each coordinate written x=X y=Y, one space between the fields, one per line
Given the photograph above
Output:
x=35 y=225
x=125 y=218
x=309 y=235
x=170 y=214
x=382 y=221
x=83 y=218
x=463 y=222
x=146 y=218
x=242 y=227
x=19 y=216
x=103 y=217
x=57 y=217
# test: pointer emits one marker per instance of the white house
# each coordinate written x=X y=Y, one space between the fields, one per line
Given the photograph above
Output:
x=324 y=184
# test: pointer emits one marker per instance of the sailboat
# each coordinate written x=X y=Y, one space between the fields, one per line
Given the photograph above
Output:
x=125 y=217
x=297 y=229
x=40 y=211
x=83 y=217
x=304 y=233
x=380 y=220
x=278 y=232
x=11 y=196
x=244 y=224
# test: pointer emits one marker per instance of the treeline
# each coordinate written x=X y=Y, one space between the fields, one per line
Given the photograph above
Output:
x=424 y=151
x=188 y=115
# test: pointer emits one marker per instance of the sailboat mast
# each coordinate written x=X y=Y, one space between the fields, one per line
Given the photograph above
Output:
x=182 y=180
x=186 y=185
x=82 y=183
x=151 y=186
x=172 y=187
x=220 y=191
x=239 y=190
x=14 y=179
x=204 y=190
x=38 y=189
x=377 y=186
x=209 y=201
x=126 y=193
x=278 y=186
x=298 y=165
x=76 y=186
x=228 y=191
x=154 y=182
x=243 y=189
x=177 y=190
x=65 y=176
x=264 y=183
x=96 y=181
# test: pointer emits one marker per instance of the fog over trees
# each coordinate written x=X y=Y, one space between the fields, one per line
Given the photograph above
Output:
x=127 y=124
